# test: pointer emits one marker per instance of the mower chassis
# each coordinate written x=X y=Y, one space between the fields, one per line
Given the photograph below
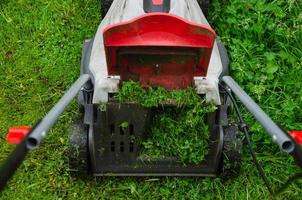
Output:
x=114 y=152
x=111 y=151
x=119 y=154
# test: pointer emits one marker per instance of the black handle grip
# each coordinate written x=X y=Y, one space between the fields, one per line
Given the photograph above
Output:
x=15 y=159
x=297 y=154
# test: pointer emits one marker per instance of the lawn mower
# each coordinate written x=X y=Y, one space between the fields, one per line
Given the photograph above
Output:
x=164 y=43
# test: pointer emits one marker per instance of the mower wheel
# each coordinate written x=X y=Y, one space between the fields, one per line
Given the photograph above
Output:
x=232 y=150
x=78 y=153
x=224 y=59
x=204 y=5
x=105 y=5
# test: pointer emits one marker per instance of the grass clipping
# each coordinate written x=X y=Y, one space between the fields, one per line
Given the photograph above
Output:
x=177 y=131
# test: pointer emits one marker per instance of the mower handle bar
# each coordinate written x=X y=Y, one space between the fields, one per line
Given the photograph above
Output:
x=278 y=135
x=40 y=131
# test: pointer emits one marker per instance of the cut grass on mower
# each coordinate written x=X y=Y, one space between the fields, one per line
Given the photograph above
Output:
x=179 y=130
x=40 y=50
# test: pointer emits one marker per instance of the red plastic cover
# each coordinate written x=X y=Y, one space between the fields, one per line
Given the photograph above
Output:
x=16 y=134
x=159 y=49
x=297 y=136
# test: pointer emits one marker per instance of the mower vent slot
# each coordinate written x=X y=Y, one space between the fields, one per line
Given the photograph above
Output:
x=112 y=129
x=122 y=147
x=131 y=147
x=112 y=146
x=131 y=129
x=122 y=132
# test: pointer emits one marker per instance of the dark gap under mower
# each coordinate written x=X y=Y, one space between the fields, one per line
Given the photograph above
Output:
x=156 y=43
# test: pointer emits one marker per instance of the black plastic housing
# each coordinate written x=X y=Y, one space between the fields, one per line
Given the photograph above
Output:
x=115 y=151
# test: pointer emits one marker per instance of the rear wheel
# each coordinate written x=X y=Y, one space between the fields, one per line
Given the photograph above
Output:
x=232 y=150
x=78 y=153
x=105 y=5
x=224 y=59
x=204 y=5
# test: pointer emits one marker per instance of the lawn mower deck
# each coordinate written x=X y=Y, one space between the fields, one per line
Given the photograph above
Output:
x=144 y=48
x=115 y=151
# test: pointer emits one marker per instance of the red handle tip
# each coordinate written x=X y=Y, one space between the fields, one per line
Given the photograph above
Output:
x=16 y=134
x=297 y=136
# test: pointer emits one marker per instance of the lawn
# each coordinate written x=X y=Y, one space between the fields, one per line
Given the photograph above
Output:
x=40 y=49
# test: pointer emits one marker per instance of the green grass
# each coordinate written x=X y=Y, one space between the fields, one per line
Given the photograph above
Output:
x=179 y=132
x=40 y=48
x=178 y=128
x=132 y=92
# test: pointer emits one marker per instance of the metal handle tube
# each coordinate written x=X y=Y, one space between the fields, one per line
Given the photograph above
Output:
x=48 y=121
x=282 y=139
